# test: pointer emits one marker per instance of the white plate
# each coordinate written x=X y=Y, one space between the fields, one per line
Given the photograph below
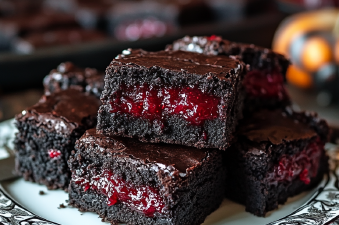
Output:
x=47 y=206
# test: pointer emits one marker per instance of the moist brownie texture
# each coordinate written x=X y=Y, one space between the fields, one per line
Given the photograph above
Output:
x=264 y=83
x=67 y=75
x=124 y=180
x=46 y=135
x=173 y=97
x=277 y=154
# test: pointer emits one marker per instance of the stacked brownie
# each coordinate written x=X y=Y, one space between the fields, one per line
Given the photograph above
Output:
x=277 y=154
x=176 y=131
x=173 y=97
x=169 y=97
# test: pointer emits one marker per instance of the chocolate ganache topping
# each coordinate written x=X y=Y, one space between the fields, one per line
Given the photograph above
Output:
x=63 y=111
x=182 y=158
x=221 y=66
x=274 y=126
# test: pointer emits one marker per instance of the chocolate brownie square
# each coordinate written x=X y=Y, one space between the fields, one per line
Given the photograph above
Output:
x=56 y=37
x=127 y=181
x=21 y=25
x=172 y=97
x=47 y=133
x=277 y=154
x=264 y=83
x=67 y=75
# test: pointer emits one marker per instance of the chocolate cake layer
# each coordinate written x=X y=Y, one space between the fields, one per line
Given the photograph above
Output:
x=127 y=181
x=46 y=135
x=277 y=154
x=173 y=97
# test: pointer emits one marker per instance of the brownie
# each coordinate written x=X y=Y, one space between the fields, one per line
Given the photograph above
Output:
x=127 y=181
x=56 y=37
x=134 y=20
x=67 y=75
x=264 y=83
x=47 y=133
x=172 y=97
x=277 y=154
x=20 y=25
x=19 y=7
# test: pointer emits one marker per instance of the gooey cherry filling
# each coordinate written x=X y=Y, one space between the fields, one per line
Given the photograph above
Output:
x=303 y=165
x=155 y=103
x=265 y=84
x=54 y=153
x=142 y=198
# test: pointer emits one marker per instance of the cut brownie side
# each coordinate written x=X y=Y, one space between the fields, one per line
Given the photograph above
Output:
x=47 y=133
x=124 y=180
x=277 y=155
x=264 y=83
x=173 y=97
x=67 y=75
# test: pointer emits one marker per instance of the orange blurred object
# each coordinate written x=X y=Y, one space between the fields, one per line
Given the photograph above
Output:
x=316 y=52
x=336 y=51
x=307 y=39
x=298 y=77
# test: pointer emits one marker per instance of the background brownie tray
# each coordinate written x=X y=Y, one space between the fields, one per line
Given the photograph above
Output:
x=20 y=71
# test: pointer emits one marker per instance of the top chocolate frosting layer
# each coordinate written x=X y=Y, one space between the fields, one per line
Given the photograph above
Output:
x=63 y=111
x=253 y=55
x=275 y=127
x=222 y=66
x=182 y=158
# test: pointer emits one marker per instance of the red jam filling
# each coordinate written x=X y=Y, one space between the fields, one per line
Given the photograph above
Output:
x=156 y=103
x=265 y=84
x=54 y=153
x=303 y=165
x=144 y=199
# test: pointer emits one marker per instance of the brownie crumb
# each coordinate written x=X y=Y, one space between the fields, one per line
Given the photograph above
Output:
x=62 y=206
x=42 y=193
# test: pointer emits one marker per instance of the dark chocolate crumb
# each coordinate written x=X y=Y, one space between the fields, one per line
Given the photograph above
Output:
x=61 y=206
x=42 y=193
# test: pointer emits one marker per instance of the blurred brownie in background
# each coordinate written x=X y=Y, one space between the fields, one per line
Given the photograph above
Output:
x=18 y=7
x=18 y=26
x=67 y=76
x=57 y=37
x=133 y=20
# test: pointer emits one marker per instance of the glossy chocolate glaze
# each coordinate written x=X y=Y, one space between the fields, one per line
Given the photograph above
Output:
x=221 y=66
x=275 y=127
x=168 y=156
x=251 y=54
x=63 y=111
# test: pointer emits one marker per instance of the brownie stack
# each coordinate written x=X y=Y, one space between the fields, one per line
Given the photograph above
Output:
x=125 y=171
x=176 y=132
